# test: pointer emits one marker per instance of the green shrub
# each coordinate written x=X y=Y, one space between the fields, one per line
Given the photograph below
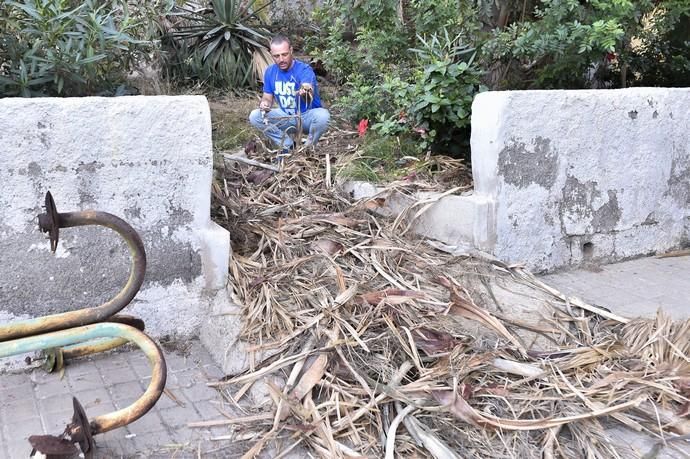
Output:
x=574 y=44
x=403 y=65
x=432 y=102
x=381 y=158
x=661 y=57
x=442 y=93
x=224 y=45
x=69 y=48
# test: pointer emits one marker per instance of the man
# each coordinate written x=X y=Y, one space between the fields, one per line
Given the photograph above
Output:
x=292 y=85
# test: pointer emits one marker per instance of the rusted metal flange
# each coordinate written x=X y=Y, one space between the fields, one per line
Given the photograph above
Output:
x=49 y=222
x=52 y=446
x=79 y=430
x=53 y=359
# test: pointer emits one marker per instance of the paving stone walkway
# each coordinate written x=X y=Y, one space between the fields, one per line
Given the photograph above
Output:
x=37 y=402
x=632 y=288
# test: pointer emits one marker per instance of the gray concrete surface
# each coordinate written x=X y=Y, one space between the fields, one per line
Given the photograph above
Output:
x=37 y=402
x=582 y=176
x=632 y=288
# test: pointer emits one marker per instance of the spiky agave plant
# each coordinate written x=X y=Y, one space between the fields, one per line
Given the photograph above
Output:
x=223 y=44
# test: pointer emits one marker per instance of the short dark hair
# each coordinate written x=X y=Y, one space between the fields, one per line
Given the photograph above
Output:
x=279 y=39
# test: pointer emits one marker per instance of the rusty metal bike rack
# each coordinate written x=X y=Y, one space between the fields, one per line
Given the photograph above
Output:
x=87 y=331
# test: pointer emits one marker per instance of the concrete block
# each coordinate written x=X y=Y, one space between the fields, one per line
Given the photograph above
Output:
x=220 y=334
x=18 y=449
x=199 y=392
x=453 y=220
x=122 y=375
x=92 y=399
x=150 y=422
x=147 y=160
x=10 y=381
x=17 y=394
x=17 y=411
x=55 y=423
x=51 y=388
x=126 y=391
x=21 y=431
x=211 y=409
x=582 y=176
x=152 y=441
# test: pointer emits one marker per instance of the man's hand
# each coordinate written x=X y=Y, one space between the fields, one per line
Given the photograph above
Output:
x=305 y=89
x=264 y=106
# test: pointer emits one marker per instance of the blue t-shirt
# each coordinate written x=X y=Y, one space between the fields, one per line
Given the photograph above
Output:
x=284 y=84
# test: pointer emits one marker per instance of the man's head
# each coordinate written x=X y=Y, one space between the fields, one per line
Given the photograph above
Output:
x=281 y=51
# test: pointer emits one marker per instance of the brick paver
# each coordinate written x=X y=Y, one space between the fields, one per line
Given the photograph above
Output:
x=36 y=402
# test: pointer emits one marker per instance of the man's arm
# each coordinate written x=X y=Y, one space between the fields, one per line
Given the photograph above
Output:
x=266 y=101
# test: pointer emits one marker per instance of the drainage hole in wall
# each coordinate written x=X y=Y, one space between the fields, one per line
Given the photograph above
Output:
x=587 y=250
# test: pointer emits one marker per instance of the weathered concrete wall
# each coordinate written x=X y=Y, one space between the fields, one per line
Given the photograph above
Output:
x=583 y=175
x=145 y=159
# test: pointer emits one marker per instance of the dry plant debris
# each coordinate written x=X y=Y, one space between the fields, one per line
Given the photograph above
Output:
x=372 y=343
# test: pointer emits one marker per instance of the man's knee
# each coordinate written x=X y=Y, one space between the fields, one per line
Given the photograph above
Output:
x=255 y=118
x=321 y=116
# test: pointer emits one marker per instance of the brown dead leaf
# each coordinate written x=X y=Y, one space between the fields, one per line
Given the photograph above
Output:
x=259 y=176
x=391 y=296
x=333 y=219
x=340 y=220
x=434 y=342
x=375 y=203
x=311 y=376
x=458 y=406
x=463 y=306
x=328 y=246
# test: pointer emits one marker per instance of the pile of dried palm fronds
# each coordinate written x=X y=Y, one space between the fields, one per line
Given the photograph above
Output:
x=357 y=329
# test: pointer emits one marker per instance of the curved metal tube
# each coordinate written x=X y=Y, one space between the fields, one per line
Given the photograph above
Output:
x=100 y=345
x=131 y=413
x=99 y=313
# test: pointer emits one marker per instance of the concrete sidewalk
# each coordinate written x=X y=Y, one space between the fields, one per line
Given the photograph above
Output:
x=34 y=403
x=632 y=288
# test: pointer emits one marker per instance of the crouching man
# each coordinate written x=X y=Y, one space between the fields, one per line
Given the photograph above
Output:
x=290 y=83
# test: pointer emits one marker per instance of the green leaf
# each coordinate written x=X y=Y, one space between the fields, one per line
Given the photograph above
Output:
x=212 y=32
x=93 y=58
x=212 y=46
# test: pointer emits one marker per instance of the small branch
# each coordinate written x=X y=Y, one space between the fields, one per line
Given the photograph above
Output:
x=251 y=162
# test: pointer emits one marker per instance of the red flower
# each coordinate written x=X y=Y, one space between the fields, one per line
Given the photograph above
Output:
x=362 y=127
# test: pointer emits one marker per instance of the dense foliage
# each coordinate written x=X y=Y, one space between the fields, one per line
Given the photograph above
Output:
x=407 y=66
x=413 y=67
x=601 y=44
x=71 y=48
